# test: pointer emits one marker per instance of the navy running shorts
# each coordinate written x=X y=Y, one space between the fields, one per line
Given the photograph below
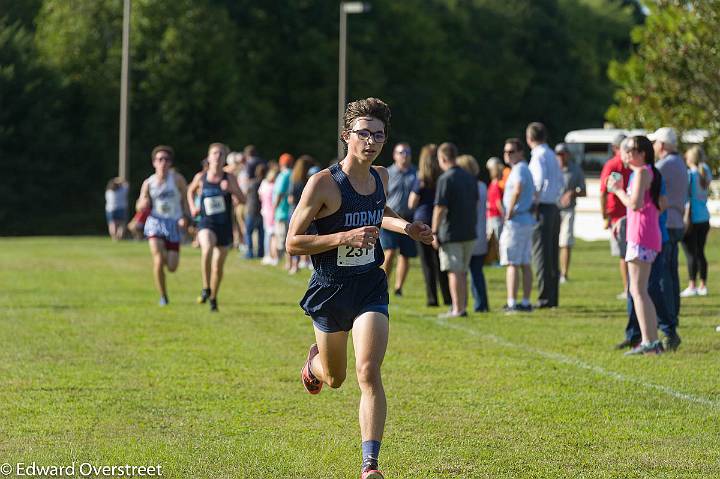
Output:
x=223 y=232
x=334 y=307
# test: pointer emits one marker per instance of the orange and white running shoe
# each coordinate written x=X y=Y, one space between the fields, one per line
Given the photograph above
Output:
x=312 y=384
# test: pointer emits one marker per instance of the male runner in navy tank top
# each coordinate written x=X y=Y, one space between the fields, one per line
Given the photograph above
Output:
x=346 y=206
x=216 y=189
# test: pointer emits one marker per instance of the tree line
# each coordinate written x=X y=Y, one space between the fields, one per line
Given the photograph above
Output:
x=240 y=71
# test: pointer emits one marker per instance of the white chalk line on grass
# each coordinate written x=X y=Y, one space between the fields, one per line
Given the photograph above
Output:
x=563 y=359
x=557 y=357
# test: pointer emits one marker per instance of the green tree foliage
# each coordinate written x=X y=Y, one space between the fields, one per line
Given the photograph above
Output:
x=32 y=140
x=673 y=77
x=242 y=71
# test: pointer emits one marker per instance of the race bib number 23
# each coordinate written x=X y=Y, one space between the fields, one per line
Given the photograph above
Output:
x=350 y=256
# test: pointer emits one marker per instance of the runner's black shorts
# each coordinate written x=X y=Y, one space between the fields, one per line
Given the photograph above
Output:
x=223 y=231
x=334 y=307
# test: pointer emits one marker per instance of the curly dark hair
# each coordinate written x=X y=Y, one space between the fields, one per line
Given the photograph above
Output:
x=167 y=149
x=369 y=107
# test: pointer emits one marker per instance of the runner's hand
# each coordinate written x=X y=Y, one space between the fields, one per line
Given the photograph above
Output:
x=182 y=223
x=419 y=231
x=364 y=237
x=224 y=185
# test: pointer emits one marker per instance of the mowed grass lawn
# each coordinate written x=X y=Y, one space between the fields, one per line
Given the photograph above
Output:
x=92 y=370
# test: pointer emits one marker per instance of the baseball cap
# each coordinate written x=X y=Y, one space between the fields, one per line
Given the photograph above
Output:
x=664 y=135
x=561 y=148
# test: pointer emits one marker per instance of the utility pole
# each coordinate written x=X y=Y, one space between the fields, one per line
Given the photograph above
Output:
x=124 y=81
x=345 y=8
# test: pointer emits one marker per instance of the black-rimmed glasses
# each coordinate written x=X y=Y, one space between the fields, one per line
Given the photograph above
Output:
x=365 y=135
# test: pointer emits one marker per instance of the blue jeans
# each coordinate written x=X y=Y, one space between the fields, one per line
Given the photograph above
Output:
x=252 y=223
x=479 y=289
x=659 y=288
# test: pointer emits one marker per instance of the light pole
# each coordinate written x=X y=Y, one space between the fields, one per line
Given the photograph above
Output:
x=345 y=8
x=124 y=80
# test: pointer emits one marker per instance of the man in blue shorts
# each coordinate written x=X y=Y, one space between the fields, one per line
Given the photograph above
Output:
x=401 y=178
x=348 y=290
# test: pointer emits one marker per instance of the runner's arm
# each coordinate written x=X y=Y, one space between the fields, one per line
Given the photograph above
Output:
x=144 y=200
x=191 y=192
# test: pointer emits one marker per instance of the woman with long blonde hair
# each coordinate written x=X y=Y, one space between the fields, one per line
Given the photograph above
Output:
x=697 y=221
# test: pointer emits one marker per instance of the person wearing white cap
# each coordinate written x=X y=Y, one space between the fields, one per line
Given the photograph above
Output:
x=673 y=169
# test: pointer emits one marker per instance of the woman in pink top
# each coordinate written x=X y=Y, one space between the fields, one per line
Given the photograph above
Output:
x=267 y=211
x=644 y=240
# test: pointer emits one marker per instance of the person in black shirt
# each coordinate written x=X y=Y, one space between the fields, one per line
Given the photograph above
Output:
x=453 y=225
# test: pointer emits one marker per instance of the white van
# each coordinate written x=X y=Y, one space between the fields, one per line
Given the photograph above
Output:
x=592 y=147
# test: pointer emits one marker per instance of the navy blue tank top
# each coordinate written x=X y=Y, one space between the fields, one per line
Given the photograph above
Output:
x=356 y=210
x=215 y=204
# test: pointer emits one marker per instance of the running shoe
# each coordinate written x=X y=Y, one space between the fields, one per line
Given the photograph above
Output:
x=622 y=295
x=688 y=292
x=655 y=348
x=524 y=308
x=507 y=309
x=563 y=279
x=372 y=474
x=164 y=301
x=213 y=305
x=204 y=295
x=312 y=384
x=702 y=291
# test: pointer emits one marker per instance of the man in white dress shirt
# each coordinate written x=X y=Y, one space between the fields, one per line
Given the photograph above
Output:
x=548 y=180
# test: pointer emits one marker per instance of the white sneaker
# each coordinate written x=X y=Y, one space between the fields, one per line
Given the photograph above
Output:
x=688 y=292
x=563 y=280
x=622 y=296
x=702 y=291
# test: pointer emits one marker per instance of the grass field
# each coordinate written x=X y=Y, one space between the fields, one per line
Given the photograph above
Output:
x=92 y=370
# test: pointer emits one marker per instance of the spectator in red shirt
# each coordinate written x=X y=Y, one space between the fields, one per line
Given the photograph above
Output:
x=613 y=210
x=495 y=211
